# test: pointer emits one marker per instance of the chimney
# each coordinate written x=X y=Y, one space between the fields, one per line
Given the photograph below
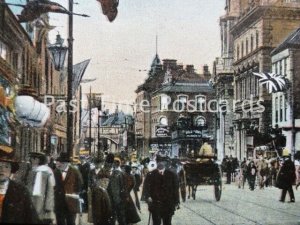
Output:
x=169 y=63
x=190 y=68
x=206 y=72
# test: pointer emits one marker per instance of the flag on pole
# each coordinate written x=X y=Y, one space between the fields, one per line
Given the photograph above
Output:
x=78 y=72
x=274 y=82
x=34 y=9
x=109 y=8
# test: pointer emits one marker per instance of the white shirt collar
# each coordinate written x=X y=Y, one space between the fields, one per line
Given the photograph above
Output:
x=4 y=187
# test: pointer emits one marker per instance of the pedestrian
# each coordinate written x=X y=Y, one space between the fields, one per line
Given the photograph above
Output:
x=138 y=181
x=251 y=174
x=68 y=186
x=228 y=167
x=84 y=168
x=161 y=192
x=101 y=209
x=263 y=170
x=244 y=172
x=286 y=177
x=15 y=203
x=40 y=183
x=131 y=213
x=117 y=192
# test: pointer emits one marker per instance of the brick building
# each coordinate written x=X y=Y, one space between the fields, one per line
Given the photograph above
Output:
x=171 y=114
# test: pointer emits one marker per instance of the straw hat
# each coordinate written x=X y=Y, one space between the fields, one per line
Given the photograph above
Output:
x=7 y=154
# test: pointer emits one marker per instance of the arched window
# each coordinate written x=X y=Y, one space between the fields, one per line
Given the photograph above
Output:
x=200 y=121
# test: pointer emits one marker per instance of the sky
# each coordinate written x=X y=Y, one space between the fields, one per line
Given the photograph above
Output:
x=121 y=51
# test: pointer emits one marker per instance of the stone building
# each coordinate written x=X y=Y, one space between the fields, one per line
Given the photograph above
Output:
x=172 y=115
x=258 y=29
x=286 y=104
x=223 y=84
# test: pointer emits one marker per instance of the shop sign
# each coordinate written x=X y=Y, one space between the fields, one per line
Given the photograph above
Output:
x=162 y=131
x=193 y=134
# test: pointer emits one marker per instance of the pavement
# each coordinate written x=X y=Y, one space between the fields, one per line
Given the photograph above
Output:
x=236 y=207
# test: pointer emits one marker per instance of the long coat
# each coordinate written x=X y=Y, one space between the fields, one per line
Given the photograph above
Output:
x=17 y=206
x=163 y=189
x=101 y=209
x=286 y=175
x=44 y=202
x=72 y=185
x=130 y=210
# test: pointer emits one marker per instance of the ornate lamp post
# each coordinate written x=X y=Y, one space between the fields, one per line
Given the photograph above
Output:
x=58 y=52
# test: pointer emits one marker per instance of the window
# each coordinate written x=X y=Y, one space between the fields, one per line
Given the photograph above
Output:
x=201 y=102
x=257 y=39
x=164 y=102
x=251 y=43
x=242 y=53
x=247 y=46
x=280 y=67
x=276 y=110
x=182 y=102
x=238 y=52
x=285 y=109
x=285 y=67
x=281 y=108
x=200 y=121
x=3 y=50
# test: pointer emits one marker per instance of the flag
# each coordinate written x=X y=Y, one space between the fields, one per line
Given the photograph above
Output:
x=274 y=82
x=34 y=9
x=109 y=8
x=78 y=71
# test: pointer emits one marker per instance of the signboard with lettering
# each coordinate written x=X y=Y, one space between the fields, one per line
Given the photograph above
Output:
x=162 y=131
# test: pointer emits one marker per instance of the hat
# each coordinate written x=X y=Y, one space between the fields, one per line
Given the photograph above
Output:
x=285 y=152
x=110 y=158
x=42 y=156
x=117 y=159
x=63 y=157
x=7 y=154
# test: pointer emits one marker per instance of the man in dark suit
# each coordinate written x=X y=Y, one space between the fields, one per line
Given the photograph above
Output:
x=161 y=192
x=68 y=186
x=16 y=206
x=287 y=176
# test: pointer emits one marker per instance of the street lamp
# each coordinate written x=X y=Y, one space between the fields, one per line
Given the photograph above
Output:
x=58 y=52
x=59 y=60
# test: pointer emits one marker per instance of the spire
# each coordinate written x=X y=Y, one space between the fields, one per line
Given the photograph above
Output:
x=156 y=44
x=156 y=64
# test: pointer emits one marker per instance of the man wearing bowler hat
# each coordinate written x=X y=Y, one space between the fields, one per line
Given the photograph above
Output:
x=15 y=203
x=161 y=192
x=68 y=186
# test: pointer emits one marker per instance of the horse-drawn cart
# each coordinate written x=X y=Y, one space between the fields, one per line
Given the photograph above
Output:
x=203 y=171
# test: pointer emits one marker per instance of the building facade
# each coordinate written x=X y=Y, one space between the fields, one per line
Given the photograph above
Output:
x=259 y=28
x=172 y=110
x=285 y=104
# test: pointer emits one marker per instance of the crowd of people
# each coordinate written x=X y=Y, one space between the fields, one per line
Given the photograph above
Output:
x=44 y=190
x=280 y=172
